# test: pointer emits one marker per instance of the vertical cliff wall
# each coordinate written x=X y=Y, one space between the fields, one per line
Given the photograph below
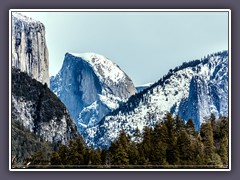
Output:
x=91 y=86
x=29 y=49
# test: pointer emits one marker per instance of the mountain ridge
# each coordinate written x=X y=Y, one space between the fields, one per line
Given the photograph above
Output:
x=87 y=87
x=171 y=93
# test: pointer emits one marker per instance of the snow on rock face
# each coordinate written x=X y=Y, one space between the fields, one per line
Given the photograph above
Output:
x=105 y=69
x=24 y=109
x=51 y=131
x=90 y=86
x=39 y=110
x=111 y=77
x=56 y=131
x=29 y=49
x=193 y=90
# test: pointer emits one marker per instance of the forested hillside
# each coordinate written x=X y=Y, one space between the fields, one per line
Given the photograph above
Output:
x=170 y=144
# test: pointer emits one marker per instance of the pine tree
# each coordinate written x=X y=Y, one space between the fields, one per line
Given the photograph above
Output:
x=172 y=154
x=120 y=157
x=147 y=143
x=215 y=128
x=124 y=140
x=179 y=124
x=213 y=120
x=199 y=160
x=190 y=128
x=159 y=154
x=137 y=136
x=77 y=152
x=217 y=161
x=163 y=133
x=119 y=150
x=224 y=126
x=63 y=152
x=104 y=156
x=56 y=160
x=133 y=154
x=223 y=151
x=209 y=149
x=159 y=145
x=185 y=148
x=94 y=159
x=170 y=123
x=142 y=160
x=97 y=159
x=224 y=130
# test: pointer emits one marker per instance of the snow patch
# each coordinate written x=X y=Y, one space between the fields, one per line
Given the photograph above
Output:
x=105 y=69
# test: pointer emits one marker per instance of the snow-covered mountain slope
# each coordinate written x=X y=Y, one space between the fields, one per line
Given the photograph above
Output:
x=142 y=87
x=29 y=49
x=39 y=110
x=193 y=90
x=90 y=85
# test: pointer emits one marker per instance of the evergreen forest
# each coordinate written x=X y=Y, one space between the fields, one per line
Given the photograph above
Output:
x=171 y=143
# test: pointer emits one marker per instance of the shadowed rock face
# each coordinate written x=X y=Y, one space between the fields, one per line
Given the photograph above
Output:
x=29 y=49
x=195 y=104
x=76 y=85
x=39 y=110
x=90 y=86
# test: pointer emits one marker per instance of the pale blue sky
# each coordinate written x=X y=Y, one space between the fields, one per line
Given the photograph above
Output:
x=144 y=44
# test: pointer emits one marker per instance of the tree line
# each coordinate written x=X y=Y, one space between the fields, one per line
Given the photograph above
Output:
x=171 y=143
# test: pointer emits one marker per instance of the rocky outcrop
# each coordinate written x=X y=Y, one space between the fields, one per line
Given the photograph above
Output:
x=90 y=86
x=39 y=110
x=29 y=49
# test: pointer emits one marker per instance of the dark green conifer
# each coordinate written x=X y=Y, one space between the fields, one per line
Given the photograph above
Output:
x=190 y=128
x=56 y=160
x=133 y=154
x=147 y=143
x=185 y=148
x=223 y=151
x=207 y=139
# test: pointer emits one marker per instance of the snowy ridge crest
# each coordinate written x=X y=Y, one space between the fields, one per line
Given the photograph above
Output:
x=193 y=90
x=103 y=67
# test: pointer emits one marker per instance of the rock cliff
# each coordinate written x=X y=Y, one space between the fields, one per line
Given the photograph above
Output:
x=29 y=49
